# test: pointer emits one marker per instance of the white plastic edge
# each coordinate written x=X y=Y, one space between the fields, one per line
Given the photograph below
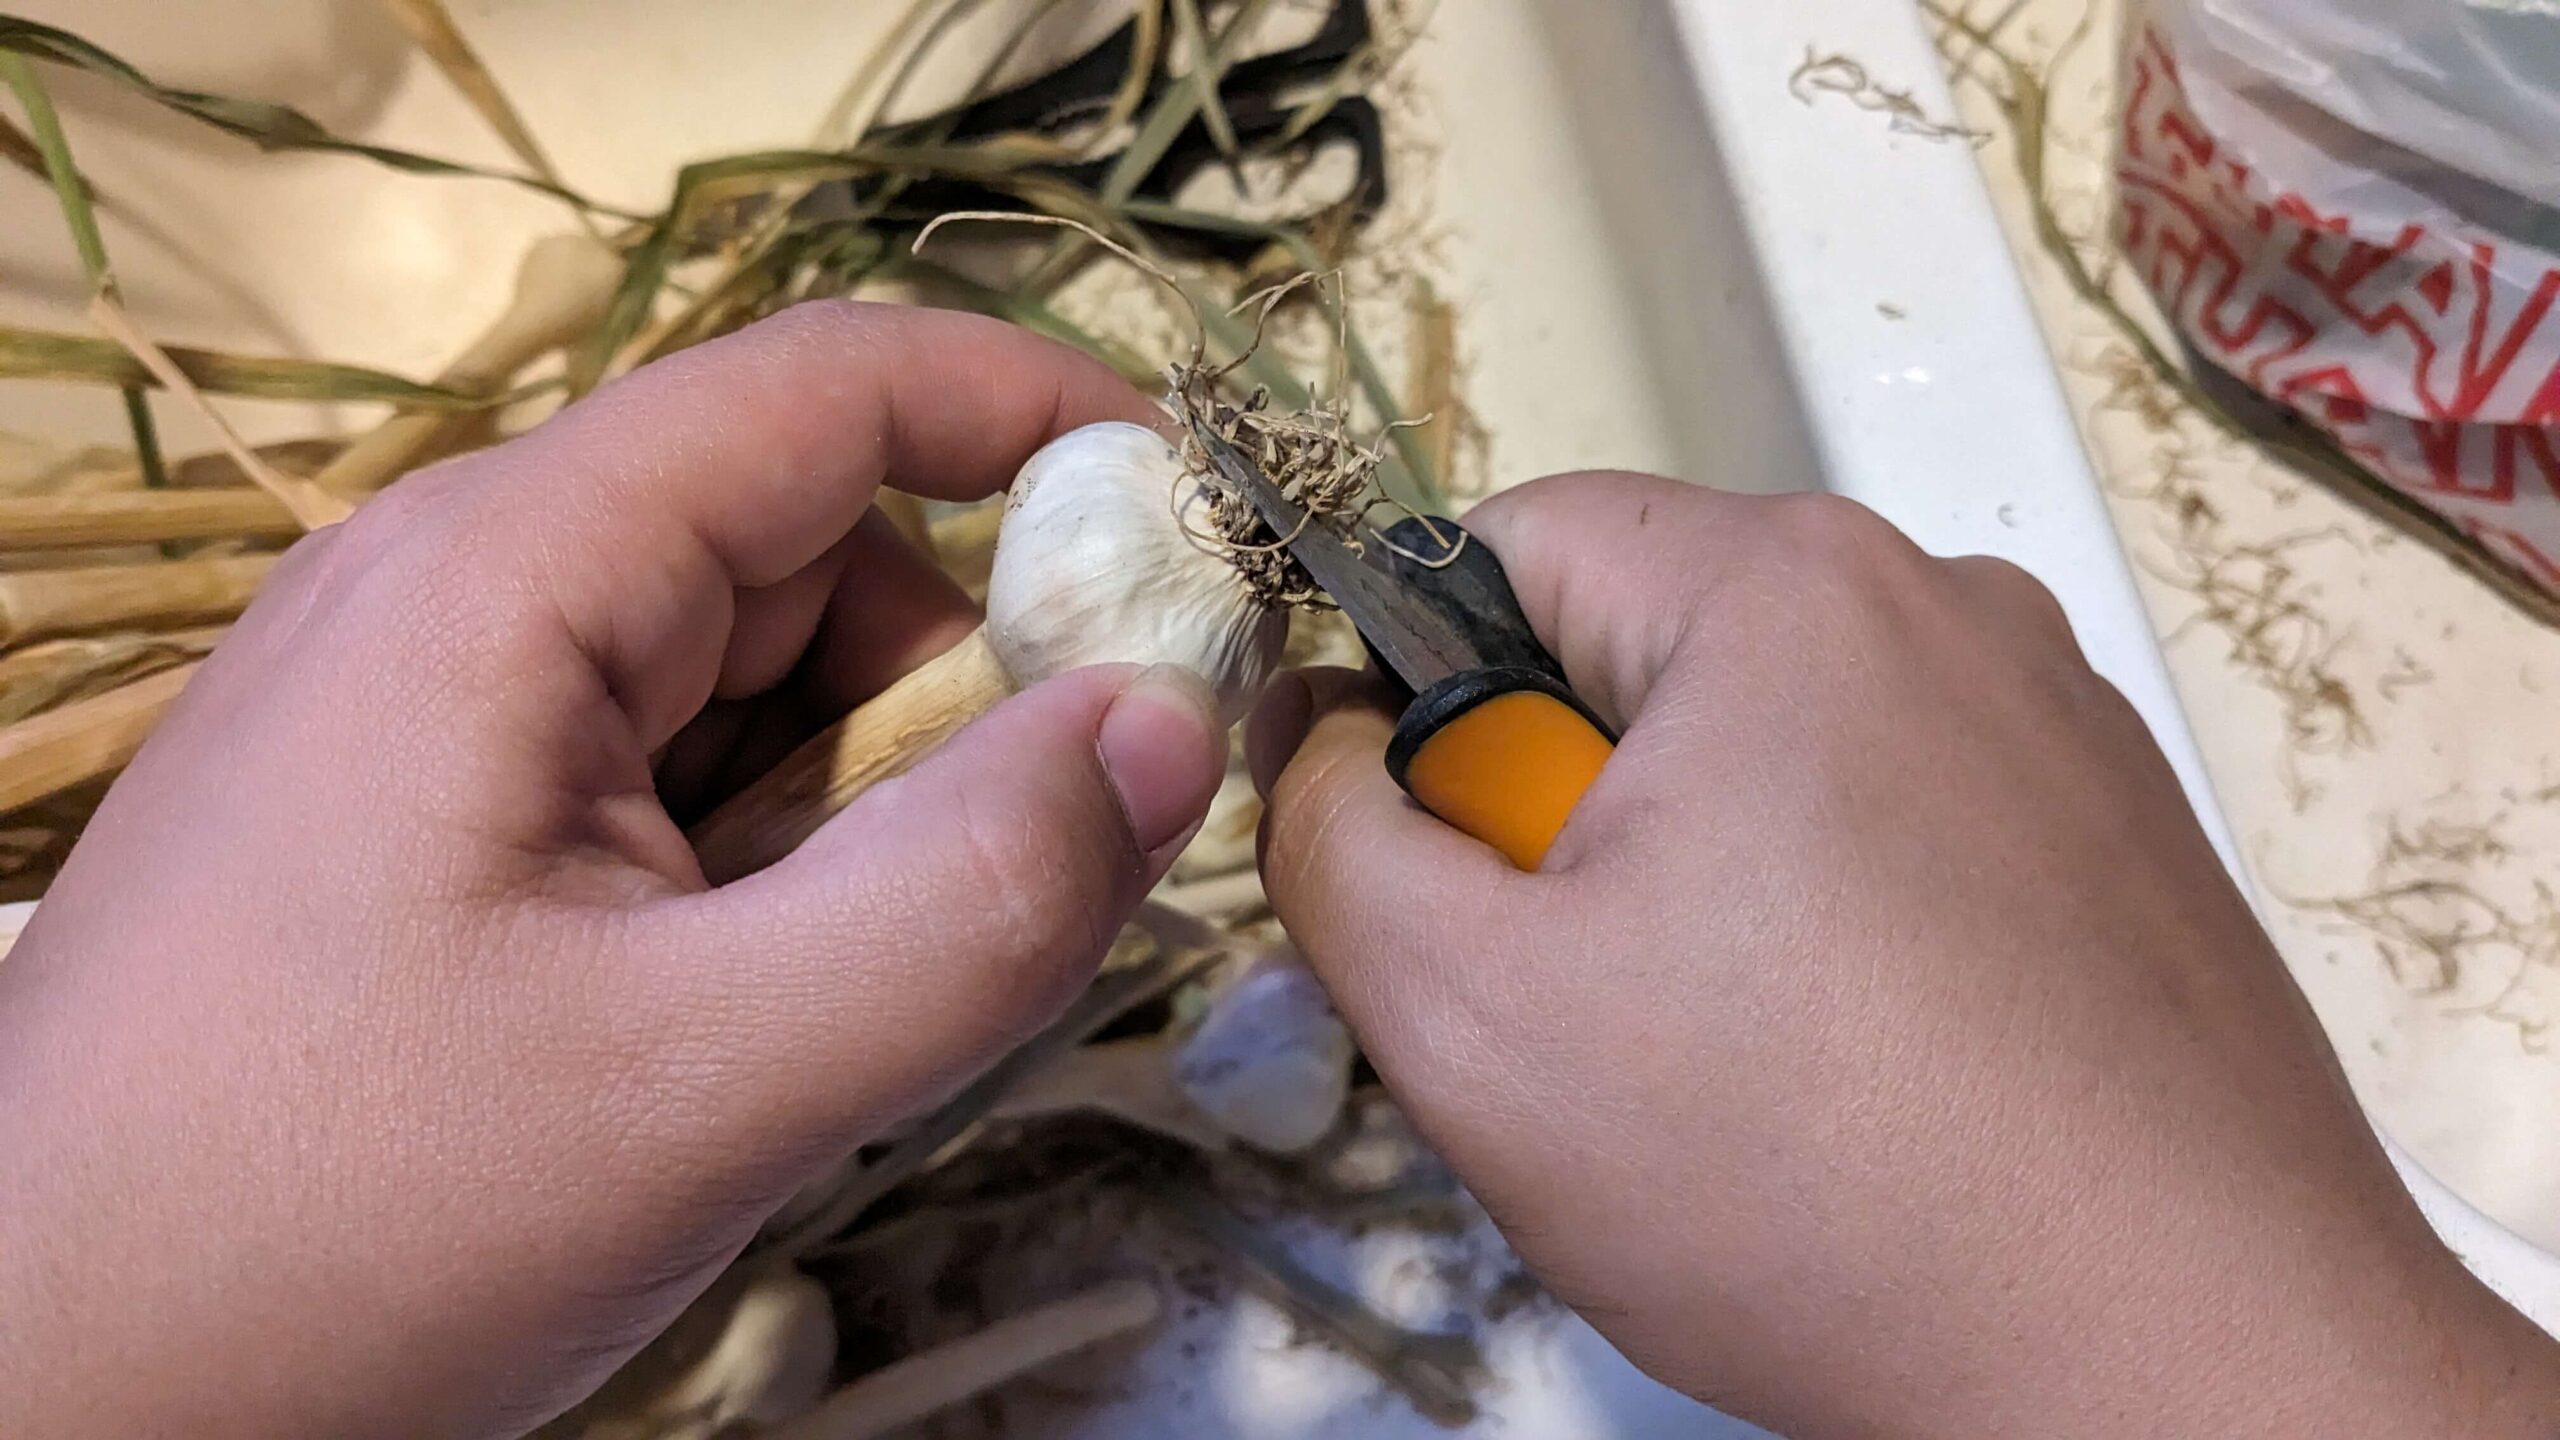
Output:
x=1932 y=396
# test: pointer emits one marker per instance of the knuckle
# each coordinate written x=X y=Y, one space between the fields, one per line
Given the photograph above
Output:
x=1837 y=533
x=2012 y=588
x=1607 y=502
x=1836 y=567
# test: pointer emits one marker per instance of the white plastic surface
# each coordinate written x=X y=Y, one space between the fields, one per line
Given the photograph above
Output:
x=1969 y=362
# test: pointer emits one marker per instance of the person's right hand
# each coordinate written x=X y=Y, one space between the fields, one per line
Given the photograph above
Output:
x=1881 y=1050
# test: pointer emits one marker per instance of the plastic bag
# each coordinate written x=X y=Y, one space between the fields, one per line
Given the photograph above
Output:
x=2353 y=208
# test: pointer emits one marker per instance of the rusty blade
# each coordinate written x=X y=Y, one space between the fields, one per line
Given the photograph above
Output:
x=1414 y=640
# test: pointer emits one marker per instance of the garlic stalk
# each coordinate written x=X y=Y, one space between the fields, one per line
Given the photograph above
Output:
x=1102 y=558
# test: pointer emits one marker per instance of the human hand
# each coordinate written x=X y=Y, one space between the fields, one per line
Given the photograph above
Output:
x=1881 y=1050
x=381 y=1064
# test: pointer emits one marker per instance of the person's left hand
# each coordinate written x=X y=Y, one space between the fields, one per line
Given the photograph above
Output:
x=381 y=1064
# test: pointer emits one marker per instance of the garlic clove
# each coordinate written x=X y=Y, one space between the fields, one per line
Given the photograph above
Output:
x=1270 y=1061
x=1093 y=567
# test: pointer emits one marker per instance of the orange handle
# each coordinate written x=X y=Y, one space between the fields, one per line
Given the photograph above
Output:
x=1509 y=770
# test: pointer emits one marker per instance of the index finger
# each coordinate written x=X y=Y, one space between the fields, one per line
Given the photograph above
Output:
x=736 y=463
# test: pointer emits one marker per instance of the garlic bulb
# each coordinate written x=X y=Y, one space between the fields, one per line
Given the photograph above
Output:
x=1271 y=1062
x=1092 y=567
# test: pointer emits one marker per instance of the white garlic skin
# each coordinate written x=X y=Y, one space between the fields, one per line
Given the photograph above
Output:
x=1271 y=1062
x=1092 y=568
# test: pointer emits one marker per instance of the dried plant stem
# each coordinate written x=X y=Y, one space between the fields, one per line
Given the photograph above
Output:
x=1217 y=896
x=881 y=738
x=1130 y=1080
x=898 y=1395
x=37 y=677
x=17 y=148
x=268 y=126
x=84 y=740
x=92 y=360
x=311 y=505
x=1431 y=385
x=142 y=517
x=1208 y=72
x=868 y=93
x=1436 y=1372
x=44 y=604
x=562 y=289
x=431 y=26
x=73 y=194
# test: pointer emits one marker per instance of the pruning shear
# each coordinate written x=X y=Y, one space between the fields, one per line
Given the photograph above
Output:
x=1492 y=739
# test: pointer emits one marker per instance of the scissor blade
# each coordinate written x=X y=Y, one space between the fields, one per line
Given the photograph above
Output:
x=1419 y=644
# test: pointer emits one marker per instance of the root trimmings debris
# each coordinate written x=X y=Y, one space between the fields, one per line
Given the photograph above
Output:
x=1305 y=454
x=1308 y=453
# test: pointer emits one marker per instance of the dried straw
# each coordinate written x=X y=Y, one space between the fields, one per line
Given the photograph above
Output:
x=310 y=505
x=45 y=604
x=84 y=740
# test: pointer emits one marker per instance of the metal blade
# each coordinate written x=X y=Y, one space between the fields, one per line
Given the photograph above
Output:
x=1417 y=642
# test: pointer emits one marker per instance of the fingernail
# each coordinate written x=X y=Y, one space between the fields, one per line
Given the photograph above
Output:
x=1164 y=752
x=1279 y=726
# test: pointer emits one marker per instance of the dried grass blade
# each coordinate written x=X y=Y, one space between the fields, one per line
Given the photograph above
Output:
x=1361 y=66
x=1431 y=378
x=266 y=125
x=1022 y=310
x=1208 y=72
x=310 y=504
x=1178 y=108
x=1437 y=1372
x=858 y=107
x=72 y=193
x=431 y=26
x=1145 y=44
x=47 y=355
x=626 y=338
x=645 y=268
x=1156 y=134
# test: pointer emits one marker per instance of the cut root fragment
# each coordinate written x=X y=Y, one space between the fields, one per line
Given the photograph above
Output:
x=1308 y=455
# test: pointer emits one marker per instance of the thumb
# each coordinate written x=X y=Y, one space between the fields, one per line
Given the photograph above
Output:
x=952 y=911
